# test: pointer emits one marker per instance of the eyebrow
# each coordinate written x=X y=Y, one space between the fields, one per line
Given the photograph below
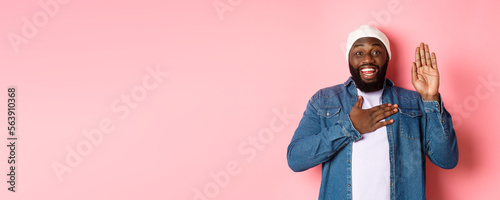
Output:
x=360 y=45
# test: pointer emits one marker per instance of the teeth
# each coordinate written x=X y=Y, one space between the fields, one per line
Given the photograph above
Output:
x=368 y=70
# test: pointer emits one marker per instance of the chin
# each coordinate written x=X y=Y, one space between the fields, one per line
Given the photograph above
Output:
x=370 y=81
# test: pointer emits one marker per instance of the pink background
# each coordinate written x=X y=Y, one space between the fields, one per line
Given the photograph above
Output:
x=230 y=75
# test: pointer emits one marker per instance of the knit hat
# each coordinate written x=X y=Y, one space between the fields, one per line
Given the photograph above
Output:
x=367 y=31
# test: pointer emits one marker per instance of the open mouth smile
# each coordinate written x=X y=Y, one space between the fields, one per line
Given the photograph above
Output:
x=368 y=72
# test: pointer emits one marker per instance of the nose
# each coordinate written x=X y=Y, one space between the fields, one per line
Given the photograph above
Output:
x=368 y=58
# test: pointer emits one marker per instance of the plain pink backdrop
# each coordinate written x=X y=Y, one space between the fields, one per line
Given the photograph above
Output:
x=233 y=70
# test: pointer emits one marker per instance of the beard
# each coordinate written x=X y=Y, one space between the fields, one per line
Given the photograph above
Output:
x=369 y=87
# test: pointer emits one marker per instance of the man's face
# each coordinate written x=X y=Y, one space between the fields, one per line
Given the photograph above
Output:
x=368 y=60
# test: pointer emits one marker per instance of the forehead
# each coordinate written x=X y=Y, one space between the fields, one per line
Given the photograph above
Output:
x=368 y=41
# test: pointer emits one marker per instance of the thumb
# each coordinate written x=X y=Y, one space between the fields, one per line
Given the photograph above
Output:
x=359 y=102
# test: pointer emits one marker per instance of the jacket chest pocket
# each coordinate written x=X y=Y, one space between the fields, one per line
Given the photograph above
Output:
x=409 y=123
x=329 y=115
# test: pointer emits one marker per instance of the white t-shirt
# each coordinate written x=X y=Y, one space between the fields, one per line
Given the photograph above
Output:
x=370 y=159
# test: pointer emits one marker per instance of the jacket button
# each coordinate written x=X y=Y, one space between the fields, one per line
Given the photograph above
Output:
x=442 y=121
x=348 y=185
x=328 y=113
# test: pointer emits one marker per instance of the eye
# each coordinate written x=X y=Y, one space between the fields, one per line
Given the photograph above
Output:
x=376 y=52
x=359 y=53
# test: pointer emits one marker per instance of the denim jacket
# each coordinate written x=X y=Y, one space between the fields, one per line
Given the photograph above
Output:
x=325 y=135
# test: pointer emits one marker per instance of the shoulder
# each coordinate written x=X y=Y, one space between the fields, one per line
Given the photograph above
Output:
x=328 y=92
x=329 y=97
x=328 y=101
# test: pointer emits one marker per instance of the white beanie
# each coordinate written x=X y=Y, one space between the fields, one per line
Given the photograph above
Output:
x=367 y=31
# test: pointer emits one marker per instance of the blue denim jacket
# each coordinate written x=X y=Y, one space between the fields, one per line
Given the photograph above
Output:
x=325 y=135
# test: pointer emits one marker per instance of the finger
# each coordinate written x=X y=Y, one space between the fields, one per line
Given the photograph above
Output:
x=427 y=56
x=385 y=105
x=359 y=102
x=417 y=56
x=414 y=71
x=422 y=53
x=383 y=123
x=434 y=61
x=385 y=114
x=380 y=108
x=376 y=111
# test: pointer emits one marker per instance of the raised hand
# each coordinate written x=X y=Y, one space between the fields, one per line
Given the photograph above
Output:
x=368 y=120
x=425 y=74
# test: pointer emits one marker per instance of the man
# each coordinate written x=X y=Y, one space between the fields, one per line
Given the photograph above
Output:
x=370 y=136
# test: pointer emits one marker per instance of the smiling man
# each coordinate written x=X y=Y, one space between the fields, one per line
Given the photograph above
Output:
x=370 y=136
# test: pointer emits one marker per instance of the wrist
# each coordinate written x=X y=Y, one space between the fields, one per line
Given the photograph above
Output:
x=431 y=97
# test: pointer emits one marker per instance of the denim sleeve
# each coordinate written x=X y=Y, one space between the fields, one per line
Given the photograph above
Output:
x=313 y=144
x=440 y=140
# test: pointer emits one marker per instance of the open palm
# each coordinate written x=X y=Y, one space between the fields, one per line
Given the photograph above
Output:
x=425 y=75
